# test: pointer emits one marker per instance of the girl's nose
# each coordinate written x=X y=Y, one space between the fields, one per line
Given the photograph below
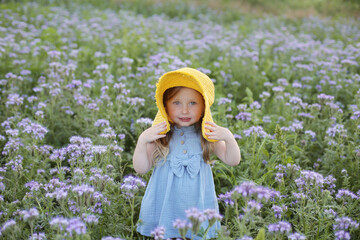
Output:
x=185 y=109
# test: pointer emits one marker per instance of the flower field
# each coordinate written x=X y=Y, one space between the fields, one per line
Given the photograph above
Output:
x=77 y=88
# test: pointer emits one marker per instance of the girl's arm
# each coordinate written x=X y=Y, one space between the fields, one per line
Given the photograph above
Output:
x=142 y=158
x=226 y=149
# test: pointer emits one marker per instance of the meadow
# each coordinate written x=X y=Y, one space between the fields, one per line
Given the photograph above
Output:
x=77 y=86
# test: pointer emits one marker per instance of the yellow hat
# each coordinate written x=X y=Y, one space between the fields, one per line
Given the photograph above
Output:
x=185 y=77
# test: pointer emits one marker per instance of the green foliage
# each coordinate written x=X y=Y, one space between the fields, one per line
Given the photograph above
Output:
x=106 y=60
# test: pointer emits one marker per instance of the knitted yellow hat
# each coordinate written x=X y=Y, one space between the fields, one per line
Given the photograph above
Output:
x=185 y=77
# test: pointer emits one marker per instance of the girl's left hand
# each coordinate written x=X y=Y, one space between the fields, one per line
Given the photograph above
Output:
x=217 y=132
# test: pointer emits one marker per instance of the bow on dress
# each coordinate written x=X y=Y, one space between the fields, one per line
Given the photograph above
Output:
x=191 y=164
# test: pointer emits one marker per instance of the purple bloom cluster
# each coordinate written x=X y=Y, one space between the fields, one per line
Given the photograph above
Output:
x=346 y=195
x=14 y=99
x=7 y=225
x=111 y=238
x=78 y=151
x=146 y=121
x=278 y=210
x=196 y=217
x=296 y=236
x=158 y=233
x=337 y=129
x=345 y=223
x=280 y=227
x=70 y=227
x=245 y=238
x=244 y=116
x=29 y=215
x=102 y=123
x=255 y=130
x=131 y=185
x=249 y=189
x=342 y=226
x=309 y=179
x=38 y=236
x=34 y=129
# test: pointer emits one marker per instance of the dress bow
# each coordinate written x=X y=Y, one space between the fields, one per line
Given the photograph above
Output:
x=191 y=164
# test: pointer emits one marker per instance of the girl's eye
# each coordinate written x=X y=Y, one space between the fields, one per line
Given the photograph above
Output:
x=176 y=102
x=192 y=103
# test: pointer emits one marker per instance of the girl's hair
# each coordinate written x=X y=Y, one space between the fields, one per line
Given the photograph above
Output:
x=162 y=144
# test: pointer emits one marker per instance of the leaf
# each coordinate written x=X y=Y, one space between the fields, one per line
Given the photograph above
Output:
x=261 y=235
x=249 y=93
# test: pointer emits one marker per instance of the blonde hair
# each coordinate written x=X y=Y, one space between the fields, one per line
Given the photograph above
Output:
x=162 y=144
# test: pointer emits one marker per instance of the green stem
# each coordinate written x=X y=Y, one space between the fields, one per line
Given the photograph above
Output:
x=206 y=232
x=132 y=216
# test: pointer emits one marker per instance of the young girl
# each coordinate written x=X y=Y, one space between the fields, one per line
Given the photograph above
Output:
x=179 y=145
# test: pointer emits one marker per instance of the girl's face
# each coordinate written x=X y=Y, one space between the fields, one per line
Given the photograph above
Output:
x=185 y=108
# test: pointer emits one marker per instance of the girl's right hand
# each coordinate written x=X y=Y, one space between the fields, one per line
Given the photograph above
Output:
x=153 y=133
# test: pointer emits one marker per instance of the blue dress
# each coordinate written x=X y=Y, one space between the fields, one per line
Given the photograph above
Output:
x=182 y=182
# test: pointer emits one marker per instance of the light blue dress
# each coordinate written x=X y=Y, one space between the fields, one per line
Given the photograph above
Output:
x=182 y=182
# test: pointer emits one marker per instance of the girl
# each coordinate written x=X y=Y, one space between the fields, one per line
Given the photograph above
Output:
x=179 y=145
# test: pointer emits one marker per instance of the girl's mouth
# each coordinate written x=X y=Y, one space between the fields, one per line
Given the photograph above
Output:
x=185 y=119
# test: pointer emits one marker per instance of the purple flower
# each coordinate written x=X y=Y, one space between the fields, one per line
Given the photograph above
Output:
x=344 y=194
x=14 y=99
x=102 y=123
x=342 y=235
x=325 y=98
x=255 y=130
x=212 y=216
x=196 y=218
x=223 y=101
x=226 y=198
x=277 y=211
x=83 y=189
x=33 y=185
x=278 y=89
x=252 y=204
x=306 y=115
x=12 y=145
x=8 y=224
x=111 y=238
x=59 y=222
x=38 y=236
x=131 y=185
x=246 y=189
x=146 y=121
x=29 y=215
x=280 y=227
x=35 y=130
x=255 y=105
x=330 y=212
x=108 y=133
x=356 y=115
x=309 y=179
x=279 y=177
x=296 y=236
x=336 y=129
x=245 y=238
x=345 y=223
x=244 y=116
x=182 y=225
x=158 y=233
x=75 y=225
x=16 y=164
x=311 y=133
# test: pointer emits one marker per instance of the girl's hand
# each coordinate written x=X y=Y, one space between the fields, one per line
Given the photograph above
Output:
x=217 y=132
x=153 y=133
x=226 y=149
